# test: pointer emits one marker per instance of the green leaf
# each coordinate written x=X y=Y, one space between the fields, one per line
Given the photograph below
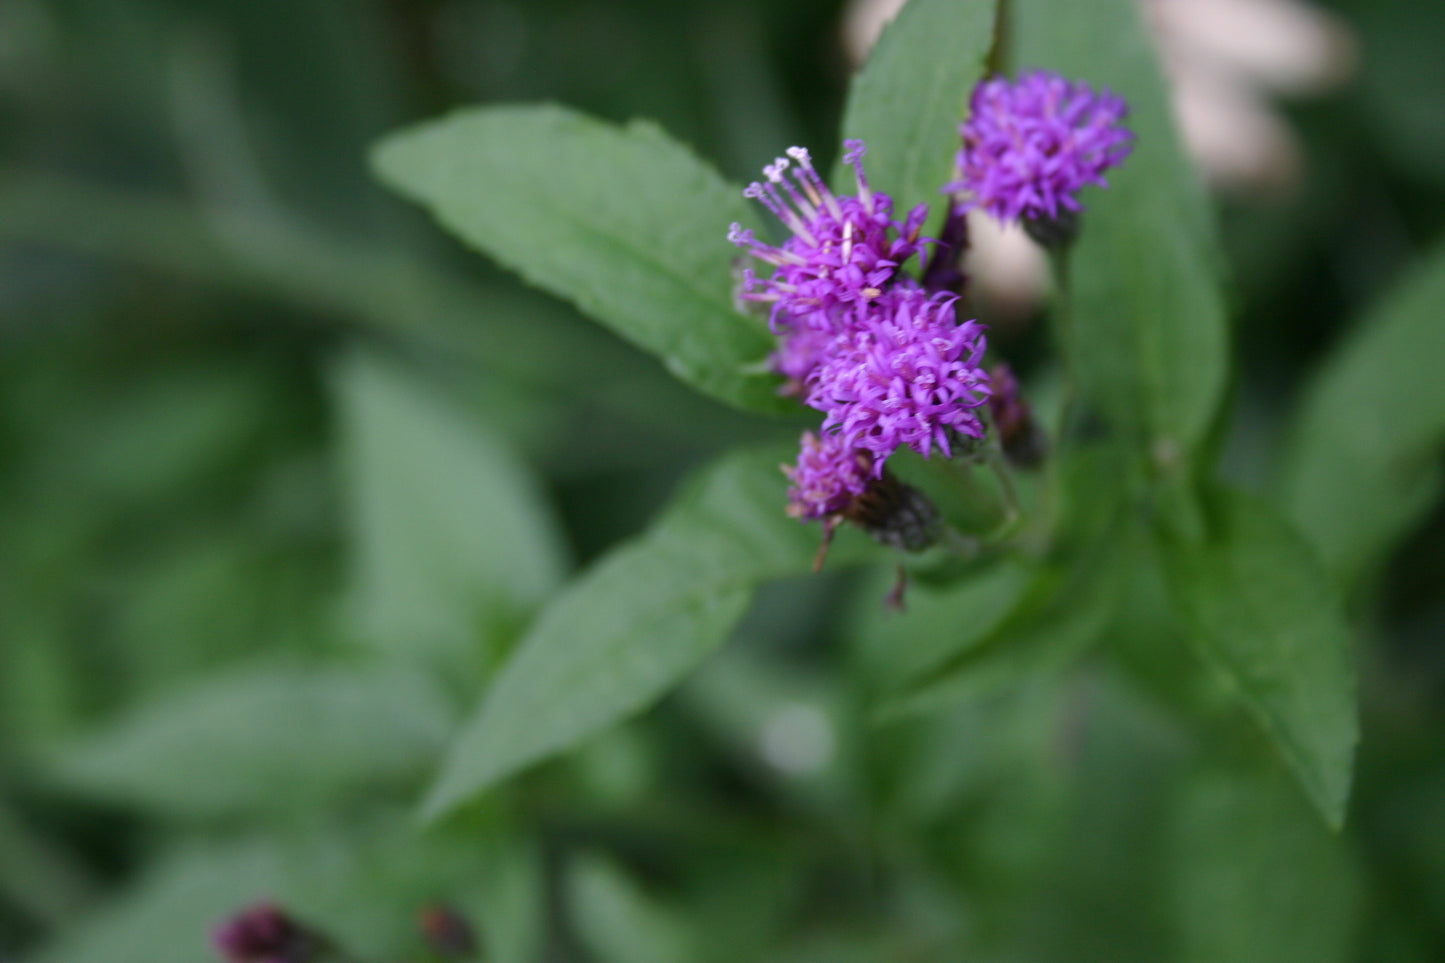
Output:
x=1245 y=822
x=618 y=921
x=508 y=901
x=450 y=526
x=38 y=873
x=1144 y=326
x=937 y=623
x=1044 y=616
x=637 y=622
x=625 y=223
x=263 y=739
x=1052 y=621
x=1362 y=464
x=1268 y=620
x=908 y=100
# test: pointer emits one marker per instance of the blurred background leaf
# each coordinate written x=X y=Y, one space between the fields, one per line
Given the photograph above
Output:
x=1267 y=619
x=255 y=414
x=627 y=630
x=1363 y=466
x=454 y=542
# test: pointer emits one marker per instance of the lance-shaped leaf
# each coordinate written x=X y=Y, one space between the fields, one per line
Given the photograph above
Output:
x=1268 y=619
x=626 y=223
x=631 y=627
x=1362 y=463
x=908 y=100
x=1145 y=328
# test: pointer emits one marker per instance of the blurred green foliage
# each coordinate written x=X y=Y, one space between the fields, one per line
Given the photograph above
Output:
x=285 y=476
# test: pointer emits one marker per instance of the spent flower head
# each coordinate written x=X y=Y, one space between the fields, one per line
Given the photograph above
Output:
x=844 y=249
x=1029 y=146
x=907 y=373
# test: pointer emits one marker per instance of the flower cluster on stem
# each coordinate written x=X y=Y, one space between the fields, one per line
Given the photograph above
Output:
x=882 y=355
x=887 y=363
x=1031 y=145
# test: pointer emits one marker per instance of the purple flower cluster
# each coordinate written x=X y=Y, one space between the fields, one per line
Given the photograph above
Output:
x=882 y=355
x=885 y=362
x=1030 y=146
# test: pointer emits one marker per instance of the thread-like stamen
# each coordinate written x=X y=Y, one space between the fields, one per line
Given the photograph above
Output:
x=855 y=149
x=807 y=176
x=756 y=192
x=801 y=203
x=774 y=202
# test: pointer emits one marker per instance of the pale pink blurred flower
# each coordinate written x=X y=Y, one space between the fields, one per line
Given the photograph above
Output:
x=1226 y=60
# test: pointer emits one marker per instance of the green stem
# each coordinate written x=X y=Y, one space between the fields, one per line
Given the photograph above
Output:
x=1063 y=331
x=994 y=458
x=1063 y=321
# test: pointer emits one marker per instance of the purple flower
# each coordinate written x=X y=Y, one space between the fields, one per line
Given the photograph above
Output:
x=906 y=374
x=827 y=478
x=843 y=249
x=1030 y=146
x=799 y=352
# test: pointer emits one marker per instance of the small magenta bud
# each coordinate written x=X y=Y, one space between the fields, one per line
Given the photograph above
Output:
x=265 y=933
x=447 y=932
x=1023 y=441
x=944 y=273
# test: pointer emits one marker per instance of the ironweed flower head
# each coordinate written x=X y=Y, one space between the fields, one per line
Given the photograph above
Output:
x=843 y=249
x=827 y=478
x=1030 y=146
x=907 y=373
